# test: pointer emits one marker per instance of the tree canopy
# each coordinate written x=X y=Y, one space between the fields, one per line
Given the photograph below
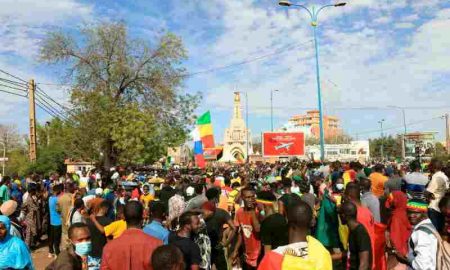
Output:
x=127 y=103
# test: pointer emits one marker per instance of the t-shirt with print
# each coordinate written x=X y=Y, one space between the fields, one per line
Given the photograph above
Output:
x=252 y=243
x=359 y=241
x=190 y=250
x=274 y=231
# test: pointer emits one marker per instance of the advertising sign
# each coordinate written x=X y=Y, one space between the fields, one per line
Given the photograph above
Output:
x=283 y=144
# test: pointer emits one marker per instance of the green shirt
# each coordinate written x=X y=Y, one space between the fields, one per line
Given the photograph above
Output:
x=4 y=194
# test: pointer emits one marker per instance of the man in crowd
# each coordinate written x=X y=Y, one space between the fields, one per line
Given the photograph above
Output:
x=422 y=242
x=274 y=229
x=55 y=223
x=75 y=256
x=133 y=249
x=215 y=222
x=4 y=189
x=197 y=201
x=303 y=250
x=435 y=191
x=360 y=249
x=189 y=223
x=415 y=181
x=156 y=228
x=65 y=201
x=168 y=257
x=378 y=179
x=247 y=219
x=369 y=200
x=98 y=238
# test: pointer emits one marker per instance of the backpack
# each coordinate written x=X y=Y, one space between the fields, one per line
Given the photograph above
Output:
x=443 y=248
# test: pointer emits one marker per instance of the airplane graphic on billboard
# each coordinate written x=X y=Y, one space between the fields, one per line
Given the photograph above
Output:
x=286 y=146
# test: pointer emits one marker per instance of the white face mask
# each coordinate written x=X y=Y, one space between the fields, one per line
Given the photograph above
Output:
x=295 y=189
x=339 y=186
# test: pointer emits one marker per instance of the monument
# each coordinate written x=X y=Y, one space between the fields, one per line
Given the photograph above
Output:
x=235 y=138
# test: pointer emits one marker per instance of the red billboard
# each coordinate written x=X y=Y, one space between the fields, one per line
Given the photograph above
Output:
x=283 y=144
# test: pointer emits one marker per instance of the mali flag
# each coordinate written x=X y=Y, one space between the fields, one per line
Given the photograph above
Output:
x=205 y=129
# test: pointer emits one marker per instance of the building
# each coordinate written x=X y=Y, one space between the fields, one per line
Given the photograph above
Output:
x=235 y=137
x=75 y=166
x=355 y=150
x=179 y=155
x=309 y=124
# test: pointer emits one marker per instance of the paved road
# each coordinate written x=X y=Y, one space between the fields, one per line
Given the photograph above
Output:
x=40 y=258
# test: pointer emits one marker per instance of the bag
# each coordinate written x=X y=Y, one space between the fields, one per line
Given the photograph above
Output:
x=443 y=249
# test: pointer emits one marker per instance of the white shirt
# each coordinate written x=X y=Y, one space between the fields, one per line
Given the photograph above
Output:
x=438 y=186
x=416 y=178
x=425 y=247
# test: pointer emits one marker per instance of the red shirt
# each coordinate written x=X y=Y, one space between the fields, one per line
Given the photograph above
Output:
x=364 y=216
x=251 y=240
x=132 y=250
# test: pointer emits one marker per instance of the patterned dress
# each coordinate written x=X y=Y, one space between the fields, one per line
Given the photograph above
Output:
x=31 y=210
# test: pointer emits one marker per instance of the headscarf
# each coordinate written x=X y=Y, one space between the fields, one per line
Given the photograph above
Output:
x=13 y=251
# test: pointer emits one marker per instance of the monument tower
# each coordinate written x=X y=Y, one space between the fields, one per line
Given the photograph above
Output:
x=235 y=138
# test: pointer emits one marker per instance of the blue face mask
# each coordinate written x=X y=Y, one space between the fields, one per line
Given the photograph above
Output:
x=83 y=248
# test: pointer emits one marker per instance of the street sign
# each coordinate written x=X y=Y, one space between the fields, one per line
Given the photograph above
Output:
x=3 y=159
x=283 y=144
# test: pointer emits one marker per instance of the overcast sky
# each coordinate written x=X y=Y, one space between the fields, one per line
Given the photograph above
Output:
x=373 y=54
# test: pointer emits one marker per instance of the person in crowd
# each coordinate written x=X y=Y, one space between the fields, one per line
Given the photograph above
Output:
x=422 y=242
x=349 y=175
x=156 y=228
x=114 y=229
x=247 y=219
x=98 y=238
x=96 y=201
x=274 y=229
x=75 y=256
x=5 y=184
x=398 y=227
x=415 y=181
x=31 y=212
x=197 y=201
x=189 y=223
x=77 y=213
x=14 y=254
x=65 y=204
x=378 y=179
x=303 y=250
x=444 y=206
x=133 y=249
x=435 y=191
x=216 y=219
x=368 y=199
x=285 y=200
x=360 y=248
x=9 y=209
x=55 y=223
x=176 y=205
x=168 y=257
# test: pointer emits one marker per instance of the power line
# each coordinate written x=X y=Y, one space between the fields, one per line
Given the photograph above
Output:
x=15 y=77
x=38 y=89
x=12 y=93
x=12 y=87
x=16 y=83
x=49 y=106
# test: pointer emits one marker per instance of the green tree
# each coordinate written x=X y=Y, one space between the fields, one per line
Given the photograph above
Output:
x=392 y=147
x=126 y=100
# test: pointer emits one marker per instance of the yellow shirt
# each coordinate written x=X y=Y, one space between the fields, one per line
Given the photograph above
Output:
x=147 y=199
x=116 y=228
x=378 y=181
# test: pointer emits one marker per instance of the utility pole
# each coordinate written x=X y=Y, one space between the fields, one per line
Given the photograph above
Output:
x=382 y=137
x=32 y=117
x=271 y=109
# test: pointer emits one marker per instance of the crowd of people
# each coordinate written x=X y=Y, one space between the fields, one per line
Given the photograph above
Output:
x=288 y=215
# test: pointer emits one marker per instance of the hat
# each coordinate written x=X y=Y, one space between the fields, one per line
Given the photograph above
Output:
x=98 y=191
x=8 y=208
x=417 y=206
x=190 y=191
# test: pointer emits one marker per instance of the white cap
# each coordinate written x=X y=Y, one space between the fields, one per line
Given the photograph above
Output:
x=98 y=191
x=190 y=191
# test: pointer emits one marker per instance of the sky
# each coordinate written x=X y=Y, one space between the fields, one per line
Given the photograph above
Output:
x=374 y=56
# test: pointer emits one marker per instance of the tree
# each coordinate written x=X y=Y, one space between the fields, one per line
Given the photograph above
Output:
x=392 y=147
x=126 y=103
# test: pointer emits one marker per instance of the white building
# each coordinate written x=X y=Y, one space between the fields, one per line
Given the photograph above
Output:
x=355 y=150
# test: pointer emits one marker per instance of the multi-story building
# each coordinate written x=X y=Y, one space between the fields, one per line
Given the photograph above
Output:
x=310 y=121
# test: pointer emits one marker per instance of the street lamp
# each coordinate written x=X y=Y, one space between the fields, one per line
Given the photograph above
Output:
x=271 y=108
x=382 y=143
x=313 y=13
x=404 y=132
